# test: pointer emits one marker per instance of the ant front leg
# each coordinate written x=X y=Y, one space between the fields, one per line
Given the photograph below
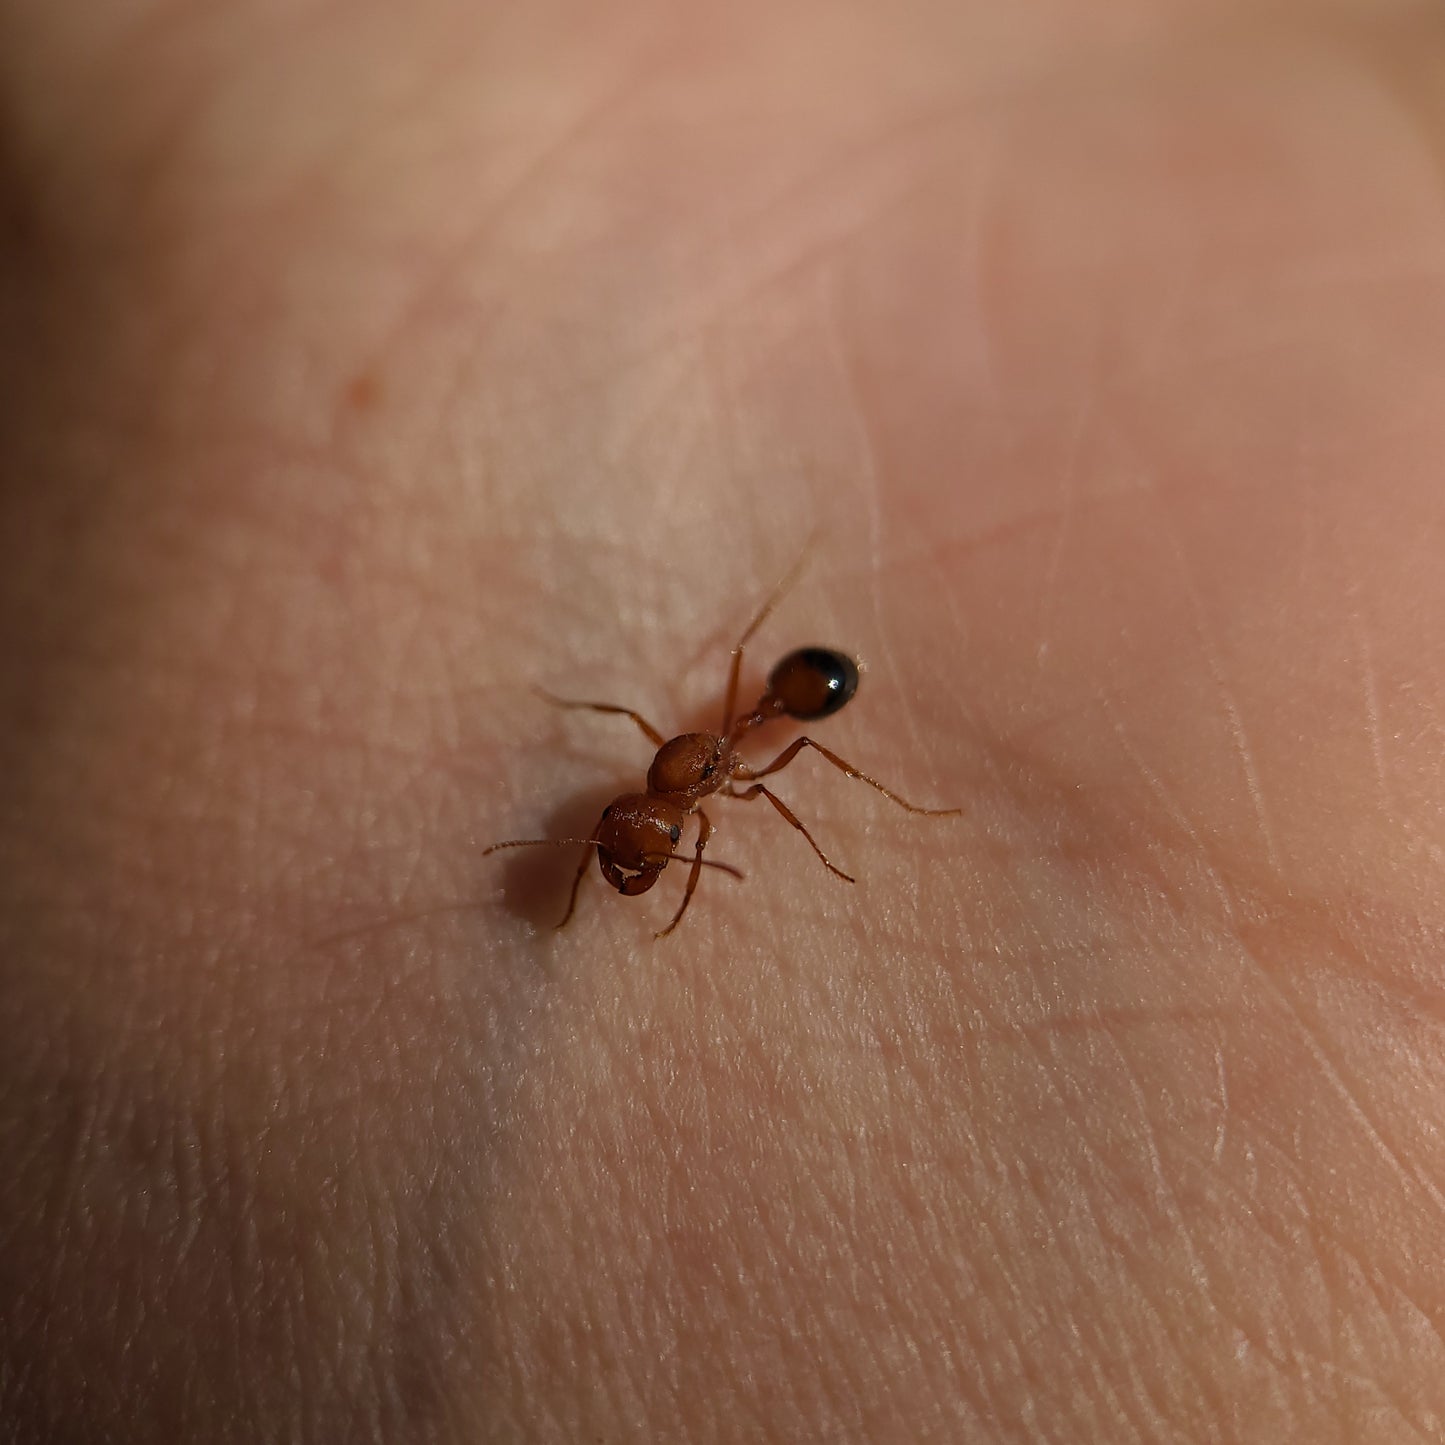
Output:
x=792 y=750
x=652 y=734
x=704 y=832
x=759 y=791
x=576 y=885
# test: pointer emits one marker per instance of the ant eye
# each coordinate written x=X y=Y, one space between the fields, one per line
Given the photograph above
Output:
x=674 y=832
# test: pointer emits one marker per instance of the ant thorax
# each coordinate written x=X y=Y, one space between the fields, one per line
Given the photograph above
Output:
x=689 y=767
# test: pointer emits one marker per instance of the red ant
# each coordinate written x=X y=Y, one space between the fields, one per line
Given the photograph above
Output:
x=637 y=832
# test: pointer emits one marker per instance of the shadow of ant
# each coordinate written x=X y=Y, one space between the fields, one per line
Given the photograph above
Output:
x=535 y=881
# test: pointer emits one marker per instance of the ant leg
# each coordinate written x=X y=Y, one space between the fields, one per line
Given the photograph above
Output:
x=653 y=736
x=792 y=751
x=764 y=612
x=588 y=843
x=576 y=885
x=704 y=832
x=759 y=791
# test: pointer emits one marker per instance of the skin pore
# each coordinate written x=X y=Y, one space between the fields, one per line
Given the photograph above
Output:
x=364 y=367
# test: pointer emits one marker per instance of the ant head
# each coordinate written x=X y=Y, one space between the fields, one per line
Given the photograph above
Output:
x=636 y=836
x=686 y=767
x=813 y=682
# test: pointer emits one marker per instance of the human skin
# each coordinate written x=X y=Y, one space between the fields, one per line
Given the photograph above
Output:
x=364 y=366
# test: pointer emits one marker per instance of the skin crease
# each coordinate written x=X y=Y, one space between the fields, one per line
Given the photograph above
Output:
x=363 y=366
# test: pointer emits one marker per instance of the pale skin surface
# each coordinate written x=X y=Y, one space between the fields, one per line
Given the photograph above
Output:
x=364 y=365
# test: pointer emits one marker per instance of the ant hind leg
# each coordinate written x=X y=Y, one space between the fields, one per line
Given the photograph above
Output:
x=763 y=613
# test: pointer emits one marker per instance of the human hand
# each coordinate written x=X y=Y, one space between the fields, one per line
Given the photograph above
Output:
x=368 y=365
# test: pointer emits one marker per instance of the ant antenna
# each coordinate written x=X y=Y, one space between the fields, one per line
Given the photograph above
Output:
x=593 y=843
x=540 y=843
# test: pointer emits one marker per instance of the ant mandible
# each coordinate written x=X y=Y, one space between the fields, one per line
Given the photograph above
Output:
x=635 y=837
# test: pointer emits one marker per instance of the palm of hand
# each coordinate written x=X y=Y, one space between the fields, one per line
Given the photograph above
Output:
x=380 y=367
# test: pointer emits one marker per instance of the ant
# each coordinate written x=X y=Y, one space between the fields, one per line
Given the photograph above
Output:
x=635 y=837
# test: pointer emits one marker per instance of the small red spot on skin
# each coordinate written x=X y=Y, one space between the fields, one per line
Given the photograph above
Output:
x=363 y=392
